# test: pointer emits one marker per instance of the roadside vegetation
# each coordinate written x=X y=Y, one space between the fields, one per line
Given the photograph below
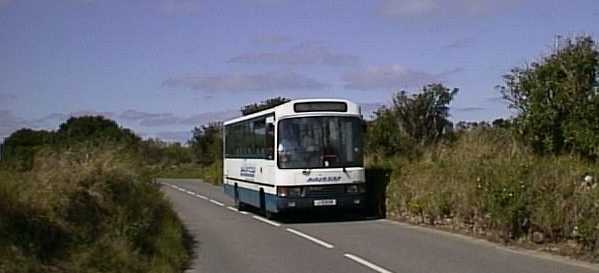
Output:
x=81 y=199
x=530 y=180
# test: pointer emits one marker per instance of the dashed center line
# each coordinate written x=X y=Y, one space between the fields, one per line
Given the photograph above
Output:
x=306 y=236
x=296 y=232
x=273 y=223
x=216 y=203
x=366 y=263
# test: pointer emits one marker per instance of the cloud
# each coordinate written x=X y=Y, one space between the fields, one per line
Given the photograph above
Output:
x=408 y=7
x=368 y=109
x=415 y=8
x=180 y=7
x=4 y=3
x=165 y=119
x=147 y=119
x=6 y=98
x=205 y=118
x=8 y=123
x=174 y=136
x=303 y=54
x=388 y=77
x=469 y=109
x=54 y=119
x=272 y=39
x=246 y=82
x=496 y=99
x=460 y=43
x=134 y=115
x=92 y=113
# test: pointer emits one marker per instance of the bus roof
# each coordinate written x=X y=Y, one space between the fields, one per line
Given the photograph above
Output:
x=287 y=109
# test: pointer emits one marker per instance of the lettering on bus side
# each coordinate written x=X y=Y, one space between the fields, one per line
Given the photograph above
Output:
x=248 y=171
x=324 y=179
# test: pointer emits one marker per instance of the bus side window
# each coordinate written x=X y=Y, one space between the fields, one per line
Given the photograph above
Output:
x=270 y=141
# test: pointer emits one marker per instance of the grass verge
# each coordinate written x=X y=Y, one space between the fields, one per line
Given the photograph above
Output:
x=487 y=185
x=87 y=210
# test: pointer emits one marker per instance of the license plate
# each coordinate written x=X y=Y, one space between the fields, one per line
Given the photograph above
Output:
x=325 y=202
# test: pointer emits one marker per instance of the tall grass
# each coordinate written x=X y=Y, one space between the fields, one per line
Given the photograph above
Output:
x=487 y=184
x=212 y=173
x=87 y=210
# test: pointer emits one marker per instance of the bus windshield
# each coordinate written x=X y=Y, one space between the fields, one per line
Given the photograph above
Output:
x=319 y=142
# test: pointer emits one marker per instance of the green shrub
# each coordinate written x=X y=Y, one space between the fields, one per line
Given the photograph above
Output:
x=487 y=183
x=87 y=210
x=557 y=99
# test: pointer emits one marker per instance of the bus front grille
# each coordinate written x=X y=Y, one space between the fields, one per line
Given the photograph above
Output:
x=325 y=190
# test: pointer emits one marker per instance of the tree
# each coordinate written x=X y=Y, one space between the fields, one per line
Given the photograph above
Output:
x=413 y=121
x=206 y=143
x=21 y=145
x=383 y=134
x=94 y=129
x=424 y=116
x=557 y=99
x=257 y=107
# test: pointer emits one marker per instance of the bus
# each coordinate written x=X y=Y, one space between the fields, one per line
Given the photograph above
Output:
x=303 y=154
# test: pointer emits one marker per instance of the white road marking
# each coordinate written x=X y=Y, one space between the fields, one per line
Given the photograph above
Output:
x=232 y=208
x=306 y=236
x=243 y=212
x=203 y=197
x=366 y=263
x=267 y=221
x=216 y=203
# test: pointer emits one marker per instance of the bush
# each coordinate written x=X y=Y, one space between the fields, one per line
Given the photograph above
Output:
x=412 y=123
x=558 y=100
x=87 y=210
x=489 y=184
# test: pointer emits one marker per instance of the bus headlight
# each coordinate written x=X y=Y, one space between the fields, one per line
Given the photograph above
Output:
x=362 y=188
x=352 y=189
x=356 y=188
x=295 y=192
x=282 y=191
x=289 y=191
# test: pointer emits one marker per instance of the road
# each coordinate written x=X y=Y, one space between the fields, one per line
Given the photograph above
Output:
x=230 y=241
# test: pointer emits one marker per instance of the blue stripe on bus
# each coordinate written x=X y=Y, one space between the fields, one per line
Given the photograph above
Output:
x=252 y=197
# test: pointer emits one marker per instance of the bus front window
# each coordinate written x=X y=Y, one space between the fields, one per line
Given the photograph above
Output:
x=319 y=142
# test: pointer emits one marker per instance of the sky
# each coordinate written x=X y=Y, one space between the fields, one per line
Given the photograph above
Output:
x=162 y=67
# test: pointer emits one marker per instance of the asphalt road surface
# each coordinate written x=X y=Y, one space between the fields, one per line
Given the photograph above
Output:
x=230 y=241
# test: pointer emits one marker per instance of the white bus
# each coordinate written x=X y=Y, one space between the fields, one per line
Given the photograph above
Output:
x=299 y=155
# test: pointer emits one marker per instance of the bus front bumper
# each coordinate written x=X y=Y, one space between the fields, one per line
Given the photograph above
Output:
x=325 y=202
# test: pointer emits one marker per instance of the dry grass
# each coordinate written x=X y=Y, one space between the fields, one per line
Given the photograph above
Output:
x=87 y=210
x=487 y=184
